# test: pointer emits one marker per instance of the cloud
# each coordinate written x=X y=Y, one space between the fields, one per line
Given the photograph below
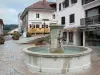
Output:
x=9 y=15
x=9 y=9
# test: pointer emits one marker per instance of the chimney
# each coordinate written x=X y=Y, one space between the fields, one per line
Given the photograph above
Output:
x=44 y=3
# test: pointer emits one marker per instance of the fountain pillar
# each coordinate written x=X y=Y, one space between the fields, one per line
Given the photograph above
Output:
x=56 y=36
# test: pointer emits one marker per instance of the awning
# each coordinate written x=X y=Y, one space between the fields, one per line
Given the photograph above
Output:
x=71 y=29
x=82 y=28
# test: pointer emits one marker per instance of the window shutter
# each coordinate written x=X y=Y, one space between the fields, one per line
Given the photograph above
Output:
x=73 y=1
x=72 y=18
x=62 y=20
x=66 y=3
x=59 y=6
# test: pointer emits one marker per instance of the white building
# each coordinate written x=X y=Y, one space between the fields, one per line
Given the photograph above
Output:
x=79 y=17
x=33 y=16
x=19 y=23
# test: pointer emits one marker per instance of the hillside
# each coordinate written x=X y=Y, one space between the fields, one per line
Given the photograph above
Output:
x=9 y=27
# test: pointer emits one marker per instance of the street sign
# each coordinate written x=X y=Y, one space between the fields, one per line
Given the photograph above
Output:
x=45 y=19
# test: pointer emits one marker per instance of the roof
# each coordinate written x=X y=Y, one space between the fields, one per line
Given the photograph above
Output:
x=40 y=6
x=1 y=22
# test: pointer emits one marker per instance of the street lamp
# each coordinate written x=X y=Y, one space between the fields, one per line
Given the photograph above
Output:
x=44 y=24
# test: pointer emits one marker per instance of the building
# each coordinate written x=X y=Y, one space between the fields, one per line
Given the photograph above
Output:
x=19 y=23
x=82 y=21
x=1 y=26
x=37 y=17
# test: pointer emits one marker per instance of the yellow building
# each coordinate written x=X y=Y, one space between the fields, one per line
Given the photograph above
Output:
x=37 y=30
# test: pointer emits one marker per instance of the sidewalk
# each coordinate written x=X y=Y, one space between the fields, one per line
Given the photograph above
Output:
x=26 y=40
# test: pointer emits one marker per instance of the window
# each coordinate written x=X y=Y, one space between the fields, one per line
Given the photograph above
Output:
x=66 y=3
x=46 y=26
x=72 y=18
x=62 y=20
x=37 y=26
x=86 y=1
x=42 y=26
x=53 y=16
x=91 y=36
x=37 y=15
x=63 y=4
x=32 y=26
x=59 y=6
x=64 y=36
x=70 y=36
x=73 y=1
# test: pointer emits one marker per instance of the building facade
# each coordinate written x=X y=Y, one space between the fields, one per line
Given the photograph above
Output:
x=81 y=19
x=1 y=26
x=37 y=17
x=19 y=23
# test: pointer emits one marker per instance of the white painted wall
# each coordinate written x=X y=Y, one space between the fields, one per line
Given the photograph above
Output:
x=76 y=9
x=79 y=11
x=43 y=15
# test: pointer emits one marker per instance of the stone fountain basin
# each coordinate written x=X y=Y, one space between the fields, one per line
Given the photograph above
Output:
x=57 y=63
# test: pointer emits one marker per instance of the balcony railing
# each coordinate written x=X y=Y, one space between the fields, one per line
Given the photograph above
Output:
x=86 y=1
x=94 y=20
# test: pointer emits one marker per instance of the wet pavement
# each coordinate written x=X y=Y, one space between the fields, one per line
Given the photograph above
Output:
x=11 y=56
x=8 y=37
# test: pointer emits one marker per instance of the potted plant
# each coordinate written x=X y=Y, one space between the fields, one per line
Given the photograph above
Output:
x=2 y=40
x=15 y=35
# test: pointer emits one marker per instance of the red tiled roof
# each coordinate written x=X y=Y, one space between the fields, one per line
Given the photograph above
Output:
x=1 y=22
x=40 y=5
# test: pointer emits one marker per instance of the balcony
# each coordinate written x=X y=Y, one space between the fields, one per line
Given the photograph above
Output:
x=88 y=4
x=91 y=21
x=87 y=1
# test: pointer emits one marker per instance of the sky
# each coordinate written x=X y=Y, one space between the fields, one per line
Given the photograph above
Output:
x=9 y=9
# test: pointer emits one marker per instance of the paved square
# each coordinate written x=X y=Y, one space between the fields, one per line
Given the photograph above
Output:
x=11 y=55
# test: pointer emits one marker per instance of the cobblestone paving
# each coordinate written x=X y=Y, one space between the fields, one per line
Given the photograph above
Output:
x=11 y=61
x=9 y=54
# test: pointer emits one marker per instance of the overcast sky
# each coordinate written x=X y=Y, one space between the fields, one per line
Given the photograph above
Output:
x=9 y=9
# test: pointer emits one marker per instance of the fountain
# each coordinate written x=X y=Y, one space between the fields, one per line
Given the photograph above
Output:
x=56 y=58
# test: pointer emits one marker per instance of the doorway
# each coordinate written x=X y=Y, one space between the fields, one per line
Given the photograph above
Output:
x=81 y=38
